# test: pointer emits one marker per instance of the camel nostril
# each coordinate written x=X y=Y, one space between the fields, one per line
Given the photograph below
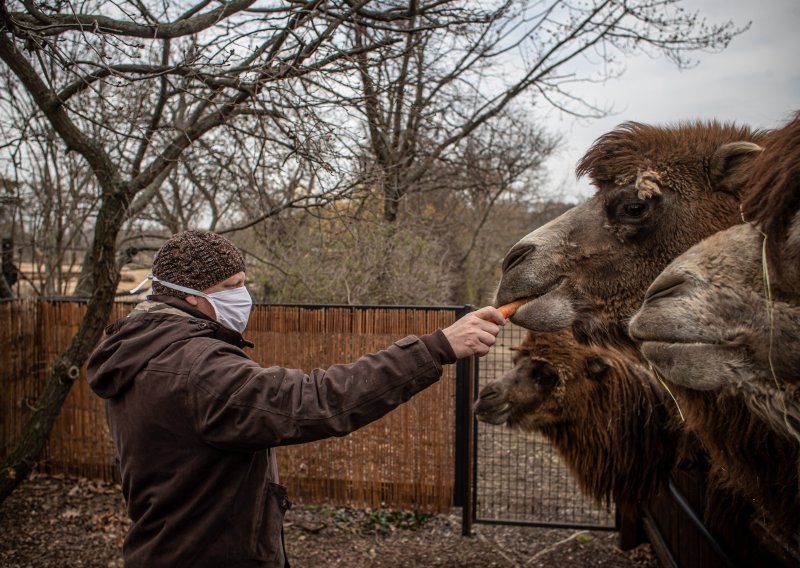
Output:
x=516 y=255
x=665 y=286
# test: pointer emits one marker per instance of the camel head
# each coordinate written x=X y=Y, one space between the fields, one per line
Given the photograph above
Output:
x=552 y=378
x=659 y=191
x=706 y=324
x=599 y=407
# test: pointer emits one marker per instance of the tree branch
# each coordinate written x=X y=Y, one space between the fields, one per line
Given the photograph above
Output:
x=45 y=25
x=47 y=101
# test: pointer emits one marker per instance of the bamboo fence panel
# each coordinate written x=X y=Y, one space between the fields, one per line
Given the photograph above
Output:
x=80 y=443
x=405 y=460
x=20 y=366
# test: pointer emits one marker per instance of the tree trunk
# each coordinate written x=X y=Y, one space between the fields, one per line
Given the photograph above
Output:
x=66 y=368
x=84 y=286
x=19 y=463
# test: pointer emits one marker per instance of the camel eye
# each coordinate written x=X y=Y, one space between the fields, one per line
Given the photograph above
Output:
x=545 y=376
x=547 y=380
x=634 y=209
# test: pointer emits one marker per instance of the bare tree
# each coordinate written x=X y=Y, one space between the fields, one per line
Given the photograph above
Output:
x=502 y=163
x=57 y=197
x=422 y=98
x=435 y=90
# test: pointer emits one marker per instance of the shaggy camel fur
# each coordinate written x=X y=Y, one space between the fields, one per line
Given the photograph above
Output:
x=600 y=408
x=773 y=204
x=731 y=346
x=659 y=191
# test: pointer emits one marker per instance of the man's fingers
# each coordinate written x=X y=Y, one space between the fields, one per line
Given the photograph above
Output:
x=475 y=333
x=487 y=338
x=486 y=326
x=490 y=313
x=481 y=343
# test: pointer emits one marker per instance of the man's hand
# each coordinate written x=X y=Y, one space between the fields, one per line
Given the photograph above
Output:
x=475 y=333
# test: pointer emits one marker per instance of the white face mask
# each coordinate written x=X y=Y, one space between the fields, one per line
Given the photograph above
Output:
x=232 y=307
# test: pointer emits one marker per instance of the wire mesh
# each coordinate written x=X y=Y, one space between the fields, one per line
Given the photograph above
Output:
x=520 y=478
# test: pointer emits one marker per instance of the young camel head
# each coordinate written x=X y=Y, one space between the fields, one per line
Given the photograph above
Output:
x=552 y=375
x=599 y=407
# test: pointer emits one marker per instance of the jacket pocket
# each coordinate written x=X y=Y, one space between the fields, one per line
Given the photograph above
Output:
x=267 y=541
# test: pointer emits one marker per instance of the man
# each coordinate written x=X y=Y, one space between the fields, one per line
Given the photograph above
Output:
x=194 y=419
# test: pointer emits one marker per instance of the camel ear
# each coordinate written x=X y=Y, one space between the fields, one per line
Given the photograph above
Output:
x=728 y=166
x=597 y=367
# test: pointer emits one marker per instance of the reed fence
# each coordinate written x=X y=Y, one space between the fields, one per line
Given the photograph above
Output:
x=403 y=461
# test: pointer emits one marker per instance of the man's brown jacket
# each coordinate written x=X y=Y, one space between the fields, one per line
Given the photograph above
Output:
x=194 y=421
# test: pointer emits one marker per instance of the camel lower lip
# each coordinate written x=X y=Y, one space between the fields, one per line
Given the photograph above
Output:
x=552 y=311
x=496 y=418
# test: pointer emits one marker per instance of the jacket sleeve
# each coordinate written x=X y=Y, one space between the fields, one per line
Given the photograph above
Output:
x=239 y=405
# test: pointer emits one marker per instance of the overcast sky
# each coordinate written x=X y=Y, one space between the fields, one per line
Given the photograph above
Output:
x=755 y=81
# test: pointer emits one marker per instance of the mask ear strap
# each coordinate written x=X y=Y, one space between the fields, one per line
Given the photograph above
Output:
x=177 y=287
x=142 y=283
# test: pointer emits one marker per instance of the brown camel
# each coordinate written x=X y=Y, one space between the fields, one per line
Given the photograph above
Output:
x=600 y=408
x=730 y=345
x=659 y=191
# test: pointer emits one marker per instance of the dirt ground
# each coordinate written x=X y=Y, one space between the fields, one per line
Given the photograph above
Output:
x=53 y=521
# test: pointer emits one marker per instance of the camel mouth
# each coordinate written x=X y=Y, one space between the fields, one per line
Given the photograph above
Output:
x=648 y=326
x=549 y=312
x=558 y=285
x=695 y=365
x=502 y=297
x=691 y=346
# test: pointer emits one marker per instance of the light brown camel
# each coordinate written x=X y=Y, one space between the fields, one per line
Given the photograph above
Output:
x=600 y=408
x=659 y=191
x=730 y=345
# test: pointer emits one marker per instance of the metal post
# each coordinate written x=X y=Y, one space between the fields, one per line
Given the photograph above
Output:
x=468 y=512
x=462 y=490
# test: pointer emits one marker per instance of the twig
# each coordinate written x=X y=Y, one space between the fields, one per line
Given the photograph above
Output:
x=312 y=530
x=552 y=547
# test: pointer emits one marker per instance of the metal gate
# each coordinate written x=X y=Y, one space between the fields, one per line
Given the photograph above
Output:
x=511 y=477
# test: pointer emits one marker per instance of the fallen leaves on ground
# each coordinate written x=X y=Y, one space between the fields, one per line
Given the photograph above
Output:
x=56 y=521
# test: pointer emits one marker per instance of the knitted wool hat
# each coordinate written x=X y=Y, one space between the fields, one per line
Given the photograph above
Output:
x=195 y=259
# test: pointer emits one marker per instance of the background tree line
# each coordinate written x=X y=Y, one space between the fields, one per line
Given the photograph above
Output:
x=359 y=151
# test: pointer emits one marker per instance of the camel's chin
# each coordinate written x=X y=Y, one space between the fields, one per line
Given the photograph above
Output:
x=696 y=366
x=496 y=419
x=548 y=313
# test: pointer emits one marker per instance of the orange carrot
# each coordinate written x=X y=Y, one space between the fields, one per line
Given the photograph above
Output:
x=509 y=310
